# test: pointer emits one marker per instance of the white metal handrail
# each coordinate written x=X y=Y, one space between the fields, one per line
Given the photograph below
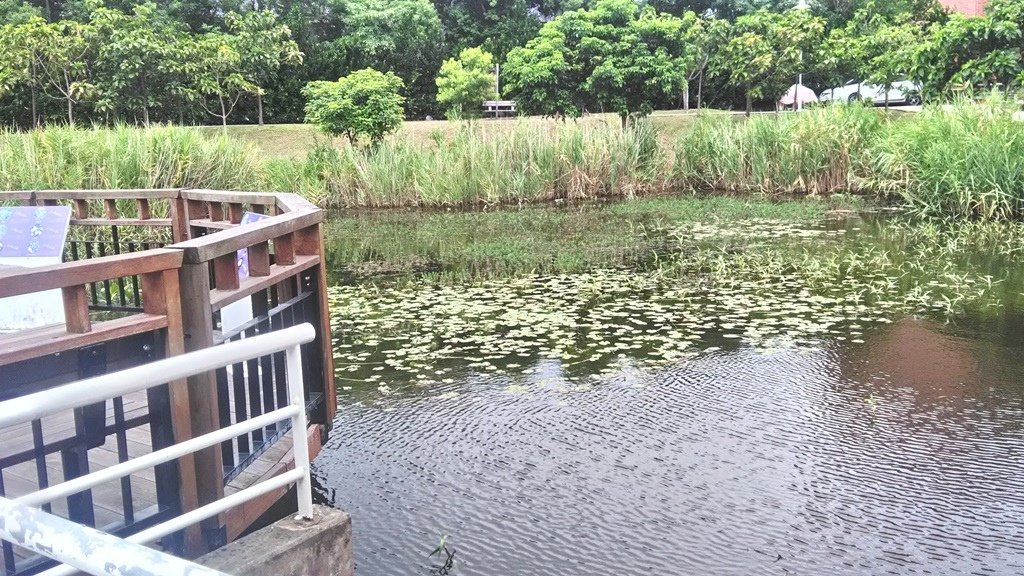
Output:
x=25 y=526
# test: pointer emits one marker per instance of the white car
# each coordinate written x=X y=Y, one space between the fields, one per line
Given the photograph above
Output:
x=902 y=92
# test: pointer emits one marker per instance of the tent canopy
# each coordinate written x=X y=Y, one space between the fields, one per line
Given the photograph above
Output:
x=795 y=92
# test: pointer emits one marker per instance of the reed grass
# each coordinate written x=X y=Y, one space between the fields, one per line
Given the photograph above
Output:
x=964 y=160
x=529 y=163
x=125 y=157
x=819 y=151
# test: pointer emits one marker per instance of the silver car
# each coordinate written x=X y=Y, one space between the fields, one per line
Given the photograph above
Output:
x=902 y=92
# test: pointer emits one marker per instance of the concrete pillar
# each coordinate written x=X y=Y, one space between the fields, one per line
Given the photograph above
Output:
x=318 y=547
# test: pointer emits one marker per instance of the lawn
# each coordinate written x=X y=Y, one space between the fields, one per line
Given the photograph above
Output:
x=294 y=140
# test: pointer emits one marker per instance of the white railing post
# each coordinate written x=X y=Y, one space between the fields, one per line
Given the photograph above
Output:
x=300 y=424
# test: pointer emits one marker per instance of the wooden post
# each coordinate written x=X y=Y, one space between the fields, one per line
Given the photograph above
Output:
x=76 y=309
x=180 y=230
x=259 y=259
x=284 y=250
x=235 y=212
x=161 y=296
x=309 y=242
x=110 y=208
x=225 y=272
x=197 y=323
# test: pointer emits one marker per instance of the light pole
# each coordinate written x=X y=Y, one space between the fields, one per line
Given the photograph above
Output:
x=801 y=5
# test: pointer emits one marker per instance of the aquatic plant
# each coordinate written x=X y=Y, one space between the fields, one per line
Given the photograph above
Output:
x=766 y=285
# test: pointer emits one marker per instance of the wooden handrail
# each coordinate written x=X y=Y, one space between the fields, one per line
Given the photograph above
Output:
x=206 y=248
x=134 y=194
x=17 y=281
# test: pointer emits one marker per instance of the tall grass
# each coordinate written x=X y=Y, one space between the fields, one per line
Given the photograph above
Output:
x=965 y=159
x=527 y=163
x=819 y=151
x=960 y=160
x=124 y=157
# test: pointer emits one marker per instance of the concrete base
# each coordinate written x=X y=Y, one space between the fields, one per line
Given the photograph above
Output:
x=289 y=547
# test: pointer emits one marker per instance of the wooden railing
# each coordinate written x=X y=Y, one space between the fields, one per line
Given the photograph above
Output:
x=177 y=293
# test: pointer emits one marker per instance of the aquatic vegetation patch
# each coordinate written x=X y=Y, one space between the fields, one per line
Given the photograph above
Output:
x=778 y=288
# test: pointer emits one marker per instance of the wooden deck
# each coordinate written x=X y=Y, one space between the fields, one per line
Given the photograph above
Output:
x=173 y=307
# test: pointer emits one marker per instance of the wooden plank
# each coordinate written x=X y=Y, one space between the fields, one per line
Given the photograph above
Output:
x=209 y=247
x=125 y=194
x=259 y=259
x=154 y=222
x=284 y=249
x=294 y=203
x=326 y=344
x=210 y=224
x=249 y=286
x=215 y=210
x=81 y=209
x=110 y=209
x=145 y=213
x=307 y=241
x=277 y=460
x=45 y=341
x=16 y=281
x=235 y=211
x=76 y=309
x=225 y=271
x=179 y=220
x=229 y=196
x=17 y=195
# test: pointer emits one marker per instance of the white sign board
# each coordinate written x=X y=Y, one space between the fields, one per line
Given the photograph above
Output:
x=32 y=236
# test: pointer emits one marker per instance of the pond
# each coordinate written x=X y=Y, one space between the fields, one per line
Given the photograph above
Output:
x=754 y=396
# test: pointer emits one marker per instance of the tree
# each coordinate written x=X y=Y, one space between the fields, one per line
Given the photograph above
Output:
x=138 y=62
x=968 y=53
x=464 y=83
x=649 y=60
x=219 y=75
x=547 y=74
x=59 y=53
x=366 y=103
x=263 y=46
x=400 y=36
x=765 y=51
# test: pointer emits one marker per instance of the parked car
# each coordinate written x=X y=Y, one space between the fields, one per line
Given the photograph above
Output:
x=902 y=92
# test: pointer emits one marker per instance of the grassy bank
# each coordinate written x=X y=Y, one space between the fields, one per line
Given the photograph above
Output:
x=964 y=160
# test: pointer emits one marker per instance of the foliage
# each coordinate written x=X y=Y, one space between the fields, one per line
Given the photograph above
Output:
x=364 y=104
x=766 y=50
x=400 y=36
x=463 y=84
x=964 y=54
x=964 y=160
x=617 y=57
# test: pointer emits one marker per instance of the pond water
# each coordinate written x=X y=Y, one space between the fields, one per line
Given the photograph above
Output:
x=768 y=398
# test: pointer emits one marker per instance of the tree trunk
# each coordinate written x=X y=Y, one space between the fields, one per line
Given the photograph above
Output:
x=259 y=106
x=71 y=116
x=35 y=113
x=223 y=114
x=145 y=115
x=700 y=91
x=686 y=98
x=625 y=121
x=750 y=104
